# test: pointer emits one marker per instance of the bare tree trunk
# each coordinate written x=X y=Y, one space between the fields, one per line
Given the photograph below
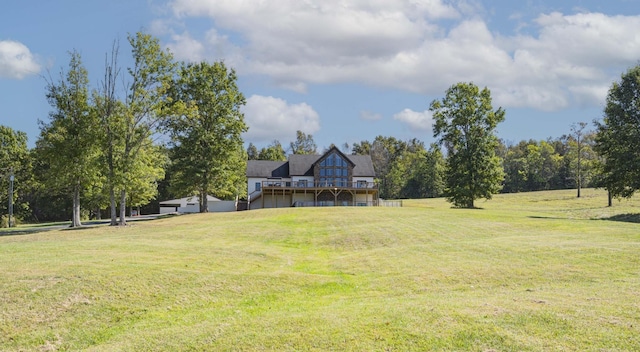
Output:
x=123 y=208
x=98 y=214
x=610 y=198
x=576 y=130
x=114 y=212
x=107 y=114
x=579 y=174
x=75 y=221
x=204 y=204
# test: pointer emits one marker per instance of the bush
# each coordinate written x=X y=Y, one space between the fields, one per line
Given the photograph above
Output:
x=4 y=221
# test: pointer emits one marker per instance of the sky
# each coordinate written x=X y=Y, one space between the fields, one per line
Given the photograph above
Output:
x=343 y=71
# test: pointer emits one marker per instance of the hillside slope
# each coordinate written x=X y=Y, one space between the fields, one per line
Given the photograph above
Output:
x=527 y=272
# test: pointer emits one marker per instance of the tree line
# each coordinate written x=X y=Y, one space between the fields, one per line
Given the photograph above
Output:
x=410 y=169
x=99 y=147
x=162 y=128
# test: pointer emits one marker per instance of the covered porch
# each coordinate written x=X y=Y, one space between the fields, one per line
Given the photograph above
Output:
x=313 y=194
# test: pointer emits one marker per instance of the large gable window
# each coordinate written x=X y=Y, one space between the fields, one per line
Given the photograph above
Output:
x=334 y=171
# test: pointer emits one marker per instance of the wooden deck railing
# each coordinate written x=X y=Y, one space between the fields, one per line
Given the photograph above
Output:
x=318 y=185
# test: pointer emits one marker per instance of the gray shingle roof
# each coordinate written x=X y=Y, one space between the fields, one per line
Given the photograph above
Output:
x=267 y=168
x=302 y=165
x=364 y=165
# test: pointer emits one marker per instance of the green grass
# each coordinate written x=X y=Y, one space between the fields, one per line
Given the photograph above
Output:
x=539 y=271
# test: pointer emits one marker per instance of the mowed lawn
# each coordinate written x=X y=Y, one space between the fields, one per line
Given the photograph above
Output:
x=539 y=271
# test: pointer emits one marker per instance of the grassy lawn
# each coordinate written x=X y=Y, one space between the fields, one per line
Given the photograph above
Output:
x=539 y=271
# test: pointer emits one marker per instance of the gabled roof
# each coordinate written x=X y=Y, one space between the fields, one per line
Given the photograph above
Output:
x=364 y=165
x=267 y=168
x=302 y=165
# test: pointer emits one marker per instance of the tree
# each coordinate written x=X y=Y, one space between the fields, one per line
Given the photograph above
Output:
x=562 y=178
x=530 y=166
x=303 y=144
x=144 y=108
x=599 y=178
x=465 y=122
x=416 y=172
x=111 y=116
x=142 y=184
x=67 y=142
x=14 y=161
x=618 y=136
x=515 y=168
x=432 y=174
x=577 y=132
x=362 y=148
x=207 y=137
x=252 y=152
x=581 y=159
x=273 y=151
x=384 y=152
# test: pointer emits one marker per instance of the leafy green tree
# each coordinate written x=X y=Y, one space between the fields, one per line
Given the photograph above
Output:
x=96 y=197
x=599 y=177
x=530 y=166
x=252 y=152
x=14 y=161
x=562 y=178
x=400 y=171
x=145 y=107
x=384 y=152
x=551 y=165
x=207 y=137
x=67 y=141
x=148 y=169
x=273 y=151
x=416 y=172
x=432 y=173
x=465 y=122
x=618 y=136
x=515 y=168
x=362 y=148
x=303 y=144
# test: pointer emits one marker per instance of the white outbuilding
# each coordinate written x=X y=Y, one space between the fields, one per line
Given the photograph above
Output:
x=192 y=205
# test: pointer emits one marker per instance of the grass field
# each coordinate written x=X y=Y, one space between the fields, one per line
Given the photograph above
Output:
x=539 y=271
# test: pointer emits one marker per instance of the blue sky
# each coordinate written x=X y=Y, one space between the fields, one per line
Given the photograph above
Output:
x=343 y=71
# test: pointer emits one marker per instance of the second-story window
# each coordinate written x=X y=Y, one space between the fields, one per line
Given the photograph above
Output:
x=334 y=171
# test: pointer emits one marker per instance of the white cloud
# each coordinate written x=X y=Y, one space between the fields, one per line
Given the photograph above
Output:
x=16 y=60
x=272 y=118
x=161 y=27
x=422 y=46
x=422 y=121
x=184 y=47
x=333 y=36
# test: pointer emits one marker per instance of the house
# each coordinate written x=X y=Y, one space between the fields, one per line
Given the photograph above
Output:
x=192 y=205
x=330 y=179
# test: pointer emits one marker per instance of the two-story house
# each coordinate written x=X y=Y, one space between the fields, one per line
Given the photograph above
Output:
x=330 y=179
